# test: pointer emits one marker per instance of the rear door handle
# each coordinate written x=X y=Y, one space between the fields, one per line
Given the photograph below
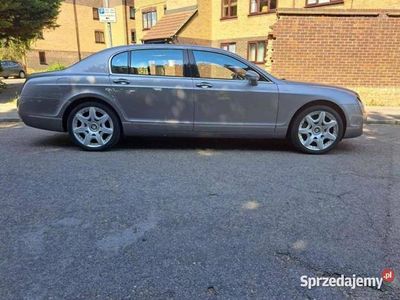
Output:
x=121 y=81
x=204 y=85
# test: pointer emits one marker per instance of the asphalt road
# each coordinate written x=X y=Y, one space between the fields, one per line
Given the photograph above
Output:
x=195 y=219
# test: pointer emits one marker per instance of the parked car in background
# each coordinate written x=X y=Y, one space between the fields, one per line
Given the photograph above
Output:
x=178 y=90
x=10 y=68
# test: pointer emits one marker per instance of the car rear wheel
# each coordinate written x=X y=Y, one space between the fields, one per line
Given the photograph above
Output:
x=21 y=74
x=94 y=126
x=317 y=129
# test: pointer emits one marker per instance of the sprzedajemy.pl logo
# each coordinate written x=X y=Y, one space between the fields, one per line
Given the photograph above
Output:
x=352 y=282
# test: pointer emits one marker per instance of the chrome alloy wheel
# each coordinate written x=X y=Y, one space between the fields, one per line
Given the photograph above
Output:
x=318 y=130
x=92 y=127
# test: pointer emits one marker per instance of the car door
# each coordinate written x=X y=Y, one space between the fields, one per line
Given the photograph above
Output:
x=14 y=68
x=6 y=68
x=226 y=103
x=151 y=87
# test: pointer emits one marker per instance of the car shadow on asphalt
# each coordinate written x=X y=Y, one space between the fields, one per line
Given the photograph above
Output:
x=174 y=143
x=204 y=143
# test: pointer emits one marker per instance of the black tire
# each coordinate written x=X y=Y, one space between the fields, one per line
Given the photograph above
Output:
x=21 y=74
x=5 y=77
x=294 y=128
x=115 y=136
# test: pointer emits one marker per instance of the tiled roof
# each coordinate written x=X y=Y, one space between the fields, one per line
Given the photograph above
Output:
x=169 y=25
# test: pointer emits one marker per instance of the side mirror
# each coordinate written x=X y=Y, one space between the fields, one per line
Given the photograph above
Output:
x=252 y=77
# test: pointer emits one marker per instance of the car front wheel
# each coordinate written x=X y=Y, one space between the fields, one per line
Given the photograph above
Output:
x=94 y=126
x=317 y=129
x=21 y=74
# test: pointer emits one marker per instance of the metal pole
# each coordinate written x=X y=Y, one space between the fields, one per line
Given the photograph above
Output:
x=107 y=4
x=78 y=43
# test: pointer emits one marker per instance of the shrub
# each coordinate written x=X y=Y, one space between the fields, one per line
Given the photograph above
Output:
x=55 y=67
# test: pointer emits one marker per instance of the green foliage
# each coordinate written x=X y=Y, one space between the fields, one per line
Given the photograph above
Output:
x=15 y=50
x=22 y=21
x=55 y=67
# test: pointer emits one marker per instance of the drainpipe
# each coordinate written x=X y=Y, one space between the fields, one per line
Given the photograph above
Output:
x=126 y=21
x=78 y=43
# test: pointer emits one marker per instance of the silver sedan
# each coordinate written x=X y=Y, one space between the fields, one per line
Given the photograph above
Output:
x=176 y=90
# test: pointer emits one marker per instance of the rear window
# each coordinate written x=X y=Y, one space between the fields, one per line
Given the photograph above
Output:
x=119 y=63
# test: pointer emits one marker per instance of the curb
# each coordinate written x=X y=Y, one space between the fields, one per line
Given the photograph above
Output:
x=9 y=120
x=383 y=122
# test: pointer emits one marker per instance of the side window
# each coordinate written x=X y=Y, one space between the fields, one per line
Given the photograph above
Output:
x=157 y=62
x=219 y=66
x=119 y=63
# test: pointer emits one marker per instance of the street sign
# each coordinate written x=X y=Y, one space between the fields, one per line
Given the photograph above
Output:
x=107 y=15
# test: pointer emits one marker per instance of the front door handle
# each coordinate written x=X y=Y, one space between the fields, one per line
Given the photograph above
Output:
x=121 y=81
x=204 y=85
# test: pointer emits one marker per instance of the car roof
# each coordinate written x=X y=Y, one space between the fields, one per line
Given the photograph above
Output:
x=167 y=46
x=99 y=62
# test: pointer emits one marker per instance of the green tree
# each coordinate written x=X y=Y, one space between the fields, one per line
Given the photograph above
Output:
x=22 y=21
x=15 y=50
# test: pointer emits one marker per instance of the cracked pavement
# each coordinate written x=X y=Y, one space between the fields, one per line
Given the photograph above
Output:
x=189 y=219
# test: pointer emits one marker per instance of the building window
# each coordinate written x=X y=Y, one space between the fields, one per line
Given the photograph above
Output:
x=149 y=19
x=257 y=51
x=132 y=12
x=311 y=3
x=229 y=9
x=42 y=58
x=262 y=6
x=99 y=37
x=95 y=13
x=231 y=47
x=133 y=36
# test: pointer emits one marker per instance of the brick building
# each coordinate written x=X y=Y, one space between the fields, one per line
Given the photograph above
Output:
x=352 y=43
x=355 y=47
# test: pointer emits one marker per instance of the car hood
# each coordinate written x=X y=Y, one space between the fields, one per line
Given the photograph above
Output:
x=317 y=85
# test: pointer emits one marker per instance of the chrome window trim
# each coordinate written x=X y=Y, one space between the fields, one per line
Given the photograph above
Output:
x=141 y=76
x=235 y=56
